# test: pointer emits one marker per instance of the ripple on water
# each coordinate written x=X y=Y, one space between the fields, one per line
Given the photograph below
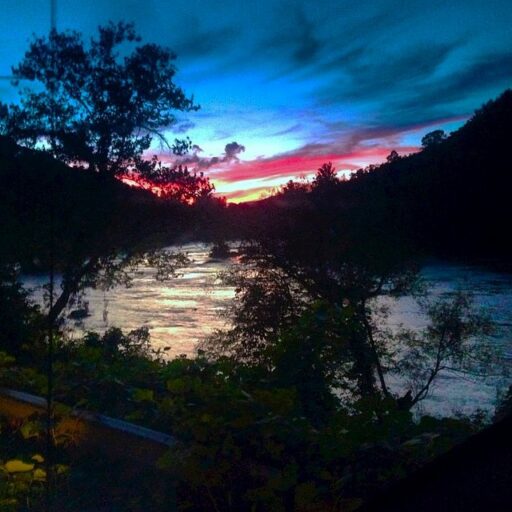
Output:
x=191 y=307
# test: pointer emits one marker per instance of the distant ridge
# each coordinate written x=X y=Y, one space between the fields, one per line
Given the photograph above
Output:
x=34 y=188
x=452 y=199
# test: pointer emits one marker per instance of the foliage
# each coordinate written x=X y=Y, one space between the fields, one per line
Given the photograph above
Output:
x=23 y=468
x=273 y=436
x=392 y=157
x=316 y=312
x=267 y=301
x=96 y=106
x=433 y=138
x=20 y=319
x=358 y=248
x=115 y=374
x=325 y=176
x=178 y=183
x=247 y=441
x=504 y=406
x=453 y=341
x=295 y=188
x=291 y=409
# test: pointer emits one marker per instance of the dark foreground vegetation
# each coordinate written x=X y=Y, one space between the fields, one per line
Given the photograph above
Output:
x=308 y=402
x=248 y=437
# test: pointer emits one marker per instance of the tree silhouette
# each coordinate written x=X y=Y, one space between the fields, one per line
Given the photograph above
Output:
x=95 y=105
x=98 y=107
x=433 y=138
x=178 y=183
x=392 y=157
x=325 y=176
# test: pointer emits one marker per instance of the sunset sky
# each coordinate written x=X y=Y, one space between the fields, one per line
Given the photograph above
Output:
x=287 y=85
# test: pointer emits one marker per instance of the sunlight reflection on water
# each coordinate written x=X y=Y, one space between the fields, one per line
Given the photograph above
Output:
x=178 y=313
x=181 y=312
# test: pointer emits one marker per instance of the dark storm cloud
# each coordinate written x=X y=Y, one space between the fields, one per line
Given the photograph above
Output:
x=201 y=43
x=438 y=98
x=292 y=129
x=296 y=41
x=374 y=75
x=348 y=58
x=333 y=39
x=494 y=70
x=300 y=38
x=411 y=64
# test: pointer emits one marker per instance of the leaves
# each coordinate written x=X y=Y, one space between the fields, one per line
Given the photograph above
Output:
x=18 y=466
x=31 y=429
x=142 y=395
x=98 y=108
x=39 y=475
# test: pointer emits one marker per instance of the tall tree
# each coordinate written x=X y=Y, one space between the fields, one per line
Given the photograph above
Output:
x=325 y=176
x=96 y=105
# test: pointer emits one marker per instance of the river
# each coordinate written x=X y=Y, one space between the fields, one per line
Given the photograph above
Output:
x=184 y=310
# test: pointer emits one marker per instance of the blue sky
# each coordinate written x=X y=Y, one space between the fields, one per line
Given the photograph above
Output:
x=299 y=82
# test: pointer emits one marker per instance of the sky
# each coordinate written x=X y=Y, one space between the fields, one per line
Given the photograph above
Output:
x=286 y=85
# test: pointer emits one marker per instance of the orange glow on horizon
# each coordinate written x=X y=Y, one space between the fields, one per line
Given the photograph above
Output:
x=169 y=189
x=255 y=179
x=252 y=180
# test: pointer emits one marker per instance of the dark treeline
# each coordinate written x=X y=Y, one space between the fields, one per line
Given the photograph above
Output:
x=450 y=200
x=96 y=113
x=83 y=212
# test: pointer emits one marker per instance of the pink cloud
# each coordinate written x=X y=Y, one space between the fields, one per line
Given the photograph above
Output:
x=240 y=180
x=298 y=164
x=252 y=176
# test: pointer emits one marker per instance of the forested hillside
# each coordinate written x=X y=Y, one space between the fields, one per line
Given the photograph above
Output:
x=451 y=199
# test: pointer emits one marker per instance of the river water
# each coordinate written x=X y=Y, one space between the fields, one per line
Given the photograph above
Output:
x=184 y=310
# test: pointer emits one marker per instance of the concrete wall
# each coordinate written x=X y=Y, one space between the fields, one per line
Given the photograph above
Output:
x=115 y=438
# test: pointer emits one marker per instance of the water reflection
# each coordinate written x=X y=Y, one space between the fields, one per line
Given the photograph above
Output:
x=178 y=312
x=492 y=294
x=181 y=312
